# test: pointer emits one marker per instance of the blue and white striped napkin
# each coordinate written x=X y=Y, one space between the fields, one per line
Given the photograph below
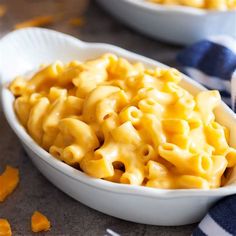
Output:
x=212 y=62
x=220 y=220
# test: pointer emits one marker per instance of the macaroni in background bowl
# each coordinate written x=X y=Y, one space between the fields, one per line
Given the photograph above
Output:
x=134 y=203
x=207 y=4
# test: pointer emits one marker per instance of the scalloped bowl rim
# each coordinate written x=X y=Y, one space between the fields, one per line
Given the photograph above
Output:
x=81 y=176
x=156 y=7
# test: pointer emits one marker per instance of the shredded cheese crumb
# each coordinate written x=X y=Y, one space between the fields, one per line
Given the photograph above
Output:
x=3 y=10
x=37 y=21
x=39 y=222
x=5 y=228
x=8 y=182
x=77 y=21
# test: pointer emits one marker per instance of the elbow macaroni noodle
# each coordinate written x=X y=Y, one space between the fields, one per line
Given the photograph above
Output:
x=122 y=122
x=205 y=4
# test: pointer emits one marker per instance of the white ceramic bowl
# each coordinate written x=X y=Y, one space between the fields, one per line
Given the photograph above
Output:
x=24 y=50
x=175 y=24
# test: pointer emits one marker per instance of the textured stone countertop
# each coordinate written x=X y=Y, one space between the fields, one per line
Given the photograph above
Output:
x=69 y=217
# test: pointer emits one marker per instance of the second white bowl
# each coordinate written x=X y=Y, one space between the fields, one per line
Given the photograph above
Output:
x=175 y=24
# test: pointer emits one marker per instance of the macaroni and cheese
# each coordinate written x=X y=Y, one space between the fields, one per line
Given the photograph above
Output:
x=125 y=123
x=207 y=4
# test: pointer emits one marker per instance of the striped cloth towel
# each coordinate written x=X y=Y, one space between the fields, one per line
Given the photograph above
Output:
x=212 y=62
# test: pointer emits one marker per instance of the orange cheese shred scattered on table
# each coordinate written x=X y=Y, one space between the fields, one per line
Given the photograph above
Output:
x=8 y=182
x=37 y=21
x=39 y=222
x=3 y=10
x=5 y=228
x=79 y=21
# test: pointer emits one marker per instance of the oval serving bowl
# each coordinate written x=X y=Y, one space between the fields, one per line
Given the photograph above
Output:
x=175 y=24
x=23 y=51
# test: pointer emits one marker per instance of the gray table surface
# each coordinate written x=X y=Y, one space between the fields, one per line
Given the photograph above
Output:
x=69 y=217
